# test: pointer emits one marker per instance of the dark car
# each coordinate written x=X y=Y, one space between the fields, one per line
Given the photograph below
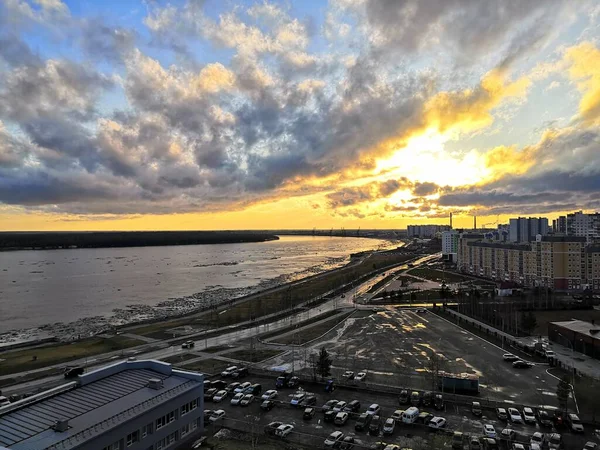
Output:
x=293 y=382
x=424 y=417
x=207 y=414
x=240 y=373
x=363 y=422
x=255 y=389
x=347 y=443
x=375 y=426
x=427 y=398
x=353 y=406
x=72 y=372
x=267 y=405
x=329 y=416
x=208 y=395
x=207 y=385
x=219 y=384
x=309 y=400
x=270 y=428
x=309 y=413
x=545 y=418
x=403 y=398
x=438 y=402
x=329 y=405
x=415 y=398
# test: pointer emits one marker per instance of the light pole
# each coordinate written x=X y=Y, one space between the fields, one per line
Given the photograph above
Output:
x=572 y=370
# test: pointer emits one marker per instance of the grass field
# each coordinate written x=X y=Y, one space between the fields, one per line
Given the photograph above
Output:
x=22 y=360
x=210 y=366
x=437 y=275
x=275 y=300
x=247 y=354
x=308 y=334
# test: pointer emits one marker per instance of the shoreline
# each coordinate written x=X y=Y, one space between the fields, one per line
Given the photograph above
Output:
x=171 y=308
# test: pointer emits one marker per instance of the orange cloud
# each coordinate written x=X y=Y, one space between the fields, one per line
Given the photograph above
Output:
x=584 y=60
x=504 y=160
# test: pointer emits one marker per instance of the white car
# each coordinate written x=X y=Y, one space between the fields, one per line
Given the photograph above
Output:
x=397 y=416
x=340 y=406
x=509 y=357
x=248 y=398
x=334 y=439
x=360 y=376
x=242 y=387
x=517 y=446
x=575 y=423
x=514 y=415
x=489 y=431
x=236 y=399
x=389 y=426
x=437 y=423
x=508 y=434
x=297 y=399
x=220 y=395
x=348 y=374
x=529 y=415
x=589 y=445
x=216 y=415
x=341 y=418
x=537 y=439
x=270 y=394
x=374 y=409
x=284 y=430
x=227 y=372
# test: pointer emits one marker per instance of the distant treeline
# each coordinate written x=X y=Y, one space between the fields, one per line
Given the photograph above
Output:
x=61 y=240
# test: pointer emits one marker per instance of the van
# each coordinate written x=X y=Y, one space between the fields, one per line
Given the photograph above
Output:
x=255 y=389
x=410 y=415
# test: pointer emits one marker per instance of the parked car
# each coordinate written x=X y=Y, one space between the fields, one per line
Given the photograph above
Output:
x=293 y=382
x=329 y=404
x=438 y=402
x=520 y=364
x=538 y=439
x=489 y=444
x=242 y=387
x=545 y=418
x=457 y=440
x=508 y=434
x=329 y=416
x=375 y=425
x=227 y=372
x=347 y=443
x=219 y=384
x=474 y=443
x=207 y=414
x=353 y=406
x=297 y=399
x=424 y=417
x=207 y=385
x=231 y=387
x=240 y=373
x=267 y=405
x=334 y=440
x=574 y=423
x=397 y=415
x=255 y=389
x=341 y=418
x=270 y=394
x=283 y=430
x=188 y=344
x=363 y=422
x=528 y=415
x=437 y=423
x=208 y=395
x=374 y=409
x=309 y=413
x=389 y=426
x=403 y=398
x=518 y=446
x=219 y=396
x=589 y=445
x=348 y=375
x=340 y=406
x=501 y=414
x=427 y=398
x=271 y=427
x=476 y=409
x=236 y=399
x=217 y=415
x=309 y=400
x=514 y=415
x=555 y=441
x=415 y=398
x=360 y=376
x=489 y=431
x=509 y=357
x=248 y=398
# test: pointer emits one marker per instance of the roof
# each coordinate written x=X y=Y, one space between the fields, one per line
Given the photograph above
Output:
x=581 y=327
x=111 y=393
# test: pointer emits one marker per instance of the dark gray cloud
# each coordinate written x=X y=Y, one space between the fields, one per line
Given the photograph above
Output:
x=424 y=189
x=354 y=195
x=101 y=41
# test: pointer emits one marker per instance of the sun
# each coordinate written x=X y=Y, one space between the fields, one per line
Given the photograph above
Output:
x=425 y=159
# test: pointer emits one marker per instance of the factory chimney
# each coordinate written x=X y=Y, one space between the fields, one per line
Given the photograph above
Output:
x=450 y=220
x=475 y=223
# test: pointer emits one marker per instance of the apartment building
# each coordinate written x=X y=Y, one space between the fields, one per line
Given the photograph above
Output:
x=425 y=231
x=450 y=245
x=559 y=262
x=133 y=405
x=525 y=229
x=579 y=224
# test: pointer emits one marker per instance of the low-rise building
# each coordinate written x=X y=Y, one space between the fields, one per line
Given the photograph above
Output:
x=578 y=335
x=133 y=405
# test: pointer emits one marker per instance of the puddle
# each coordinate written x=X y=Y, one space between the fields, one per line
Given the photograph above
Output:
x=420 y=370
x=384 y=314
x=407 y=328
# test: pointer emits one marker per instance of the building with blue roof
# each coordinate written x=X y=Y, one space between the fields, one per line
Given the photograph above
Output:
x=130 y=405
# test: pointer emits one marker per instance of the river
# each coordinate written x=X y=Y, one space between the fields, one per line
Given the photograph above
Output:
x=84 y=290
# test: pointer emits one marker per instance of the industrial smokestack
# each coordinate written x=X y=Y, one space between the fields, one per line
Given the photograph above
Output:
x=450 y=220
x=475 y=222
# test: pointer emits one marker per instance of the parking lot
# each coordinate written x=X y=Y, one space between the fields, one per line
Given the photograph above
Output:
x=395 y=345
x=459 y=418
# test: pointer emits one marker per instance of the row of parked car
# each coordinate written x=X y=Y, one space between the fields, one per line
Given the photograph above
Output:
x=427 y=398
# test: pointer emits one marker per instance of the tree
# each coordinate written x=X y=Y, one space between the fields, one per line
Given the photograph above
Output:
x=324 y=363
x=435 y=365
x=528 y=322
x=562 y=392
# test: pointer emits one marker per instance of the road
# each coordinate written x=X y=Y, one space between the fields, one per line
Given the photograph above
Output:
x=226 y=337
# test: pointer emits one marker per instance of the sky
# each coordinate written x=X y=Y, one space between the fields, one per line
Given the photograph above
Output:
x=224 y=114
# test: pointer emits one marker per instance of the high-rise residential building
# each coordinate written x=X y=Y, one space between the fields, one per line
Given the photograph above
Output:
x=559 y=225
x=133 y=405
x=559 y=262
x=580 y=224
x=425 y=231
x=525 y=229
x=450 y=245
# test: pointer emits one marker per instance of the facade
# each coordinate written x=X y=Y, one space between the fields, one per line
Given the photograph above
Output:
x=425 y=231
x=582 y=337
x=133 y=405
x=525 y=229
x=558 y=262
x=450 y=245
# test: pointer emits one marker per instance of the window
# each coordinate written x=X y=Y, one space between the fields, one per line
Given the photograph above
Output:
x=189 y=407
x=132 y=438
x=115 y=446
x=146 y=430
x=188 y=428
x=164 y=420
x=166 y=442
